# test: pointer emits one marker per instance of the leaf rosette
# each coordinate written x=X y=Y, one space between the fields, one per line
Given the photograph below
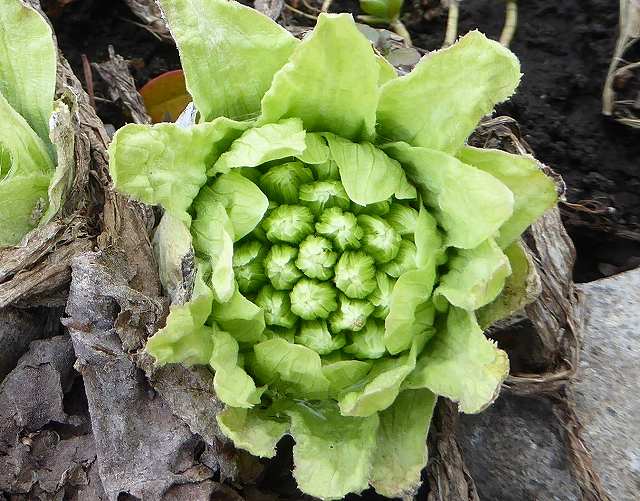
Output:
x=343 y=235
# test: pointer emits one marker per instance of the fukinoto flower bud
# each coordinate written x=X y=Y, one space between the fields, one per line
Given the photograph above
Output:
x=355 y=274
x=341 y=228
x=322 y=195
x=282 y=182
x=288 y=223
x=280 y=268
x=316 y=257
x=311 y=299
x=405 y=260
x=381 y=296
x=351 y=315
x=402 y=218
x=276 y=306
x=248 y=266
x=380 y=240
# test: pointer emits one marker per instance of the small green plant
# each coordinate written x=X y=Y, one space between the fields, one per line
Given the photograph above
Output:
x=27 y=84
x=385 y=12
x=347 y=245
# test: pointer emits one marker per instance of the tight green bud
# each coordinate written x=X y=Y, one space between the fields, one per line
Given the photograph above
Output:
x=316 y=257
x=380 y=240
x=355 y=274
x=402 y=219
x=322 y=195
x=281 y=182
x=341 y=227
x=405 y=260
x=276 y=306
x=248 y=266
x=369 y=342
x=280 y=268
x=351 y=315
x=381 y=297
x=311 y=299
x=327 y=171
x=288 y=223
x=315 y=334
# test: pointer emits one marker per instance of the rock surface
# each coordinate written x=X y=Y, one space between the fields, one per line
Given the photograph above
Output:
x=515 y=451
x=607 y=383
x=18 y=327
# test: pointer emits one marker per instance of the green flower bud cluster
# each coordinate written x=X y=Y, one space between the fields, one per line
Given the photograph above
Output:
x=319 y=265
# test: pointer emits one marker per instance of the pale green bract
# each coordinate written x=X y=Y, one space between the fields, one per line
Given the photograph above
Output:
x=344 y=237
x=27 y=154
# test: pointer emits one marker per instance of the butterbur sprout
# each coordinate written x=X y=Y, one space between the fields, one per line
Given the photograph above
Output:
x=341 y=228
x=347 y=239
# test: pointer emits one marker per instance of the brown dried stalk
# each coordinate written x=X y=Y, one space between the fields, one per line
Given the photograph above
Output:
x=510 y=22
x=629 y=26
x=452 y=23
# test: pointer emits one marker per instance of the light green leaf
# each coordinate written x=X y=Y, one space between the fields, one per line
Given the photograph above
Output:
x=475 y=277
x=213 y=237
x=253 y=430
x=442 y=100
x=63 y=139
x=331 y=81
x=185 y=339
x=22 y=202
x=401 y=449
x=232 y=384
x=382 y=384
x=166 y=164
x=367 y=174
x=317 y=151
x=291 y=369
x=533 y=191
x=229 y=53
x=469 y=204
x=387 y=71
x=460 y=363
x=315 y=335
x=263 y=144
x=243 y=200
x=25 y=173
x=427 y=239
x=343 y=374
x=28 y=154
x=243 y=319
x=333 y=453
x=521 y=287
x=27 y=65
x=412 y=290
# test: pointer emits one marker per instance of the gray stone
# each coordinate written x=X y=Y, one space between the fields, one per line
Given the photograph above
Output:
x=515 y=451
x=19 y=327
x=44 y=452
x=606 y=387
